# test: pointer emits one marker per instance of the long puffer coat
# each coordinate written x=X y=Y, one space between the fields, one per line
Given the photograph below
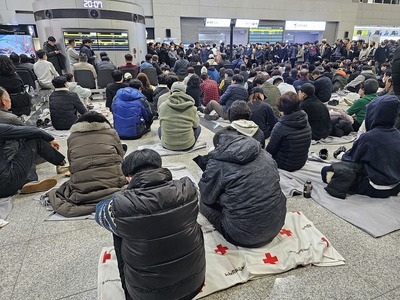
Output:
x=95 y=155
x=243 y=180
x=162 y=243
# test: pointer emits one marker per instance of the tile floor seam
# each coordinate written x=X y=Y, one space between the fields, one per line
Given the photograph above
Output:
x=371 y=284
x=57 y=233
x=20 y=268
x=76 y=294
x=396 y=288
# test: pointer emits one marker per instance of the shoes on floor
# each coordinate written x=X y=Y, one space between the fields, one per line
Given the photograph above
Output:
x=200 y=109
x=211 y=117
x=39 y=186
x=333 y=102
x=338 y=151
x=348 y=102
x=62 y=169
x=323 y=154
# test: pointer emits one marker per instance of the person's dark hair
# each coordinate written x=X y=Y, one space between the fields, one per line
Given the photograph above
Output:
x=92 y=116
x=204 y=76
x=105 y=58
x=6 y=66
x=239 y=110
x=206 y=64
x=252 y=73
x=59 y=81
x=83 y=57
x=24 y=58
x=242 y=67
x=145 y=80
x=162 y=79
x=51 y=39
x=229 y=72
x=259 y=79
x=70 y=41
x=190 y=70
x=170 y=80
x=277 y=80
x=181 y=55
x=223 y=56
x=335 y=66
x=141 y=160
x=194 y=81
x=128 y=57
x=238 y=78
x=117 y=75
x=316 y=72
x=69 y=77
x=293 y=73
x=148 y=57
x=388 y=73
x=327 y=68
x=236 y=71
x=135 y=83
x=370 y=86
x=41 y=53
x=276 y=73
x=14 y=57
x=237 y=56
x=288 y=103
x=165 y=67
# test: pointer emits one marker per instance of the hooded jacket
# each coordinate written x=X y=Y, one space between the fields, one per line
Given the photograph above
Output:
x=290 y=140
x=359 y=107
x=323 y=88
x=243 y=179
x=162 y=243
x=318 y=117
x=178 y=117
x=95 y=156
x=83 y=93
x=379 y=148
x=132 y=113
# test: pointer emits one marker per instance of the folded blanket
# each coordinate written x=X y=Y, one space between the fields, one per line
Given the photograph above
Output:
x=299 y=243
x=373 y=215
x=333 y=140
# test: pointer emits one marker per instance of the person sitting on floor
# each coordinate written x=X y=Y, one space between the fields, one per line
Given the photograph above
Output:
x=179 y=122
x=291 y=137
x=317 y=112
x=131 y=111
x=19 y=147
x=235 y=91
x=367 y=93
x=239 y=115
x=240 y=192
x=64 y=105
x=158 y=243
x=371 y=166
x=261 y=113
x=95 y=157
x=113 y=87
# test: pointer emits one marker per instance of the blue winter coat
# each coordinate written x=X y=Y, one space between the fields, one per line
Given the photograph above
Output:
x=131 y=112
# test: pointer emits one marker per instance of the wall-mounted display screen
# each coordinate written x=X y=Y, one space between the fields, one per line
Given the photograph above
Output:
x=18 y=43
x=376 y=33
x=264 y=34
x=102 y=40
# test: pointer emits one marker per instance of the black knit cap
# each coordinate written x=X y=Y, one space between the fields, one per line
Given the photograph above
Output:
x=308 y=89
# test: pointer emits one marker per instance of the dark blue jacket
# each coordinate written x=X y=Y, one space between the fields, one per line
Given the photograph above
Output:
x=132 y=113
x=234 y=92
x=323 y=88
x=379 y=148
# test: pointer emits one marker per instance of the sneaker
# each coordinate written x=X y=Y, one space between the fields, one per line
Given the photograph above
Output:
x=338 y=151
x=200 y=109
x=323 y=154
x=62 y=169
x=38 y=186
x=211 y=117
x=348 y=102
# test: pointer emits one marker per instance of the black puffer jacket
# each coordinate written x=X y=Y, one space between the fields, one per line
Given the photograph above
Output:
x=318 y=117
x=290 y=140
x=162 y=243
x=64 y=106
x=243 y=179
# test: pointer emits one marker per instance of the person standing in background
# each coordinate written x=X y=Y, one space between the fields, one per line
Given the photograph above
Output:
x=72 y=54
x=54 y=54
x=87 y=49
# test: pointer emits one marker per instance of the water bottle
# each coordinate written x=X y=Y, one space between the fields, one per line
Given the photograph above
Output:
x=307 y=189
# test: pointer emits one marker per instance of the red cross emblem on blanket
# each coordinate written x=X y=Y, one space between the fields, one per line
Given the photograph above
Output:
x=296 y=212
x=287 y=232
x=202 y=288
x=325 y=241
x=221 y=249
x=270 y=259
x=106 y=256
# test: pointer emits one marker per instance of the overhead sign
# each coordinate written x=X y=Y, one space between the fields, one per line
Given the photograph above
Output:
x=246 y=23
x=305 y=25
x=218 y=22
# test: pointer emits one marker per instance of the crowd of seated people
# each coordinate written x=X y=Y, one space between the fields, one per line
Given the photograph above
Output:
x=275 y=98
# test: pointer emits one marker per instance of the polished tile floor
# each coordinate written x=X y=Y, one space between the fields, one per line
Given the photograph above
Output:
x=58 y=260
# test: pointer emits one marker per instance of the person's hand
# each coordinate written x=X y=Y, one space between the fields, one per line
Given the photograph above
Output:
x=55 y=145
x=94 y=56
x=57 y=51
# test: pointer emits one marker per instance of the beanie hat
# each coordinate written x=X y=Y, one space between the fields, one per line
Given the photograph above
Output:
x=308 y=89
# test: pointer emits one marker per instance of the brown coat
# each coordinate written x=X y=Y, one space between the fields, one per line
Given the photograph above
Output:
x=95 y=155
